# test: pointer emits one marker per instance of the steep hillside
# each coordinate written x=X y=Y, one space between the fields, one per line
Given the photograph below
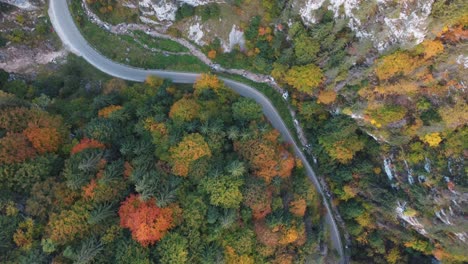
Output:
x=26 y=37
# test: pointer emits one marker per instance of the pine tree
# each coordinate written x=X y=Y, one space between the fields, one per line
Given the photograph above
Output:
x=101 y=212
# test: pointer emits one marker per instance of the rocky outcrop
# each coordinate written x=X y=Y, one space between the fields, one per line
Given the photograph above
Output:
x=24 y=4
x=411 y=220
x=165 y=10
x=386 y=23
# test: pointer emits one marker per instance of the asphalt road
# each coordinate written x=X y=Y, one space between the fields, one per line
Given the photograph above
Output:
x=71 y=37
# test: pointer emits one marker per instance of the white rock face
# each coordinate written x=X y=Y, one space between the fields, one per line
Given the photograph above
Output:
x=463 y=60
x=307 y=11
x=129 y=5
x=236 y=37
x=195 y=2
x=22 y=4
x=392 y=22
x=463 y=236
x=411 y=24
x=388 y=169
x=165 y=10
x=411 y=220
x=162 y=9
x=195 y=34
x=148 y=20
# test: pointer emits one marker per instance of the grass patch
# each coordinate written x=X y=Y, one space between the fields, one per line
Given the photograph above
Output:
x=159 y=43
x=124 y=49
x=119 y=13
x=235 y=60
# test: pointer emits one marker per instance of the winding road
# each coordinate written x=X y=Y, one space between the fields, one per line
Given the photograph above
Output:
x=72 y=39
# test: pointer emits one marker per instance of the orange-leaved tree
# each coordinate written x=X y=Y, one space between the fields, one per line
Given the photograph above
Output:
x=43 y=139
x=298 y=207
x=24 y=235
x=266 y=235
x=15 y=147
x=267 y=157
x=86 y=143
x=108 y=110
x=14 y=119
x=212 y=54
x=147 y=222
x=432 y=48
x=88 y=190
x=258 y=198
x=191 y=148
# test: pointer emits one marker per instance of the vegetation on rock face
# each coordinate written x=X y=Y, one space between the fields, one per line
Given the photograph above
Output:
x=386 y=128
x=135 y=176
x=415 y=110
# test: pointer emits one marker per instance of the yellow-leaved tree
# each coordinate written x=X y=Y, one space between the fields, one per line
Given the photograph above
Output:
x=154 y=81
x=191 y=148
x=186 y=109
x=432 y=139
x=326 y=97
x=207 y=81
x=393 y=64
x=432 y=48
x=305 y=78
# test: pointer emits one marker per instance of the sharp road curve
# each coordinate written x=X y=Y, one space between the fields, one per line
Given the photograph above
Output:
x=71 y=37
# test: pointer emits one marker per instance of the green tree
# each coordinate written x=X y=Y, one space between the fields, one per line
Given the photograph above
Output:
x=173 y=249
x=340 y=139
x=305 y=49
x=88 y=250
x=129 y=251
x=246 y=109
x=236 y=168
x=241 y=240
x=21 y=177
x=101 y=212
x=386 y=114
